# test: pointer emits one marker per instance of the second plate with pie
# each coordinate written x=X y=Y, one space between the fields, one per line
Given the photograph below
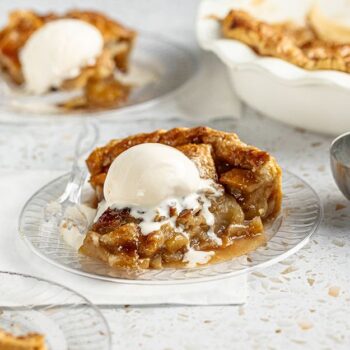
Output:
x=158 y=68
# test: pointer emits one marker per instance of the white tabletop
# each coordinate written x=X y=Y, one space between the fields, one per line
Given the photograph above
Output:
x=300 y=303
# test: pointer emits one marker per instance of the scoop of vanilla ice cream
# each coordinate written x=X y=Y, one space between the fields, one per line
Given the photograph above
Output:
x=147 y=174
x=57 y=51
x=331 y=23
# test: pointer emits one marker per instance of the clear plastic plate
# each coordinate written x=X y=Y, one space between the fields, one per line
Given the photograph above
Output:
x=66 y=319
x=299 y=218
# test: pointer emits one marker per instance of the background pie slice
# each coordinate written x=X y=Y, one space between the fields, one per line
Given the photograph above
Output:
x=101 y=89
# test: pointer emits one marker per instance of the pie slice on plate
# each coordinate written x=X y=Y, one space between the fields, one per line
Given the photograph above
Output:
x=225 y=219
x=100 y=88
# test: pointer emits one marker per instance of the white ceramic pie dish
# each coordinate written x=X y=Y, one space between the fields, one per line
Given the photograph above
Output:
x=314 y=100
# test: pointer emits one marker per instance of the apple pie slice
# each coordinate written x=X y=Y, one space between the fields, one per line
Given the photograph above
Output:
x=31 y=341
x=227 y=220
x=97 y=80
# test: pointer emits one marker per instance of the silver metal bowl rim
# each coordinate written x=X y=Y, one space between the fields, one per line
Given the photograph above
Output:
x=331 y=148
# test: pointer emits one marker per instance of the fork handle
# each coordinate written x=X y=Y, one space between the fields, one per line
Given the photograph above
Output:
x=86 y=140
x=75 y=185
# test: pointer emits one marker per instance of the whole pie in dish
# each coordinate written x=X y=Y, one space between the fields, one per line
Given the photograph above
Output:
x=223 y=217
x=95 y=74
x=305 y=46
x=31 y=341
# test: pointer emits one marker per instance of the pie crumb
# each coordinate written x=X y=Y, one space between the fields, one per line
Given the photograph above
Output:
x=311 y=281
x=334 y=291
x=338 y=242
x=340 y=207
x=288 y=270
x=305 y=325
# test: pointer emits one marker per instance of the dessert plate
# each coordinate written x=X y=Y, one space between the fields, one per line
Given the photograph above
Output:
x=298 y=220
x=158 y=68
x=66 y=319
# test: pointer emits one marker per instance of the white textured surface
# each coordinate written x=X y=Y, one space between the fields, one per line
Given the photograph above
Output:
x=289 y=306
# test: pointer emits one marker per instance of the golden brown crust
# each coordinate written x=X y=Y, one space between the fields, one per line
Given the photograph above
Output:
x=111 y=30
x=118 y=39
x=202 y=156
x=226 y=149
x=31 y=341
x=297 y=45
x=99 y=93
x=250 y=184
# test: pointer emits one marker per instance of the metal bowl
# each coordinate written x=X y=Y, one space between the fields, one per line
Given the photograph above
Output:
x=340 y=163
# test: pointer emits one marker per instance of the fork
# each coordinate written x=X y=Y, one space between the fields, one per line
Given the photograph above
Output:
x=86 y=140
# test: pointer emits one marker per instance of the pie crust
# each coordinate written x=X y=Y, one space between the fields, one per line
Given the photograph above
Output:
x=299 y=45
x=250 y=181
x=31 y=341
